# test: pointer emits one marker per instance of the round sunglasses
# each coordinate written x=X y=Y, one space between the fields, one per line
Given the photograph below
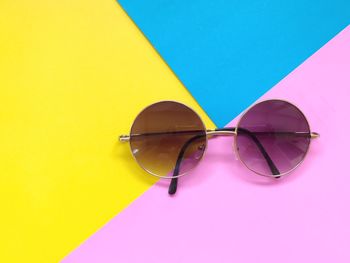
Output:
x=168 y=139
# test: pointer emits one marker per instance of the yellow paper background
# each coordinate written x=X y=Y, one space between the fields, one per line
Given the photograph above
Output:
x=73 y=75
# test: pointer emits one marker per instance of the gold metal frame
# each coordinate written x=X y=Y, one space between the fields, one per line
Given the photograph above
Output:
x=313 y=135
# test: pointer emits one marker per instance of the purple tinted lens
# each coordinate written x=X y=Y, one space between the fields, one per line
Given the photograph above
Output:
x=273 y=137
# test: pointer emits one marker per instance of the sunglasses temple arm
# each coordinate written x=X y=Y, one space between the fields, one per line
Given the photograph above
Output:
x=174 y=181
x=262 y=150
x=173 y=184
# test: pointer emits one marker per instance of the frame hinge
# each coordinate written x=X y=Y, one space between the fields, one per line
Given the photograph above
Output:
x=314 y=135
x=124 y=138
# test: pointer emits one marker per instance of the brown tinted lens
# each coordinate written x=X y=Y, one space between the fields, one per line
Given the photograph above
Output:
x=161 y=131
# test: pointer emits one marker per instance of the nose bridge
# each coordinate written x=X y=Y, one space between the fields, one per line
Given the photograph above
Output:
x=221 y=132
x=226 y=132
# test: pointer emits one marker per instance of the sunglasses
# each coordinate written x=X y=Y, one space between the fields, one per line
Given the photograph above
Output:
x=168 y=139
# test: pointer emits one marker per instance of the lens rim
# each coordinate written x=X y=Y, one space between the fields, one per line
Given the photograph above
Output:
x=236 y=135
x=204 y=130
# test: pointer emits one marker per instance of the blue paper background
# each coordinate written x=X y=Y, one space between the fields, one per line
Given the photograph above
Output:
x=229 y=53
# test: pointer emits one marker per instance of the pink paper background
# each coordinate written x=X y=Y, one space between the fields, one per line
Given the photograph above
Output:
x=224 y=213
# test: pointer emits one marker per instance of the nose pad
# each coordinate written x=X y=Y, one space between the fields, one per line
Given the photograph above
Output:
x=199 y=151
x=235 y=151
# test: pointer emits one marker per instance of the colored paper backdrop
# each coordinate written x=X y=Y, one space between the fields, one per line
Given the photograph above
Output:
x=229 y=53
x=224 y=213
x=73 y=75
